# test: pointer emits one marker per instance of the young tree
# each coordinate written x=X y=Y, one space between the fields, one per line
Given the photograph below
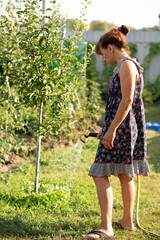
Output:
x=44 y=67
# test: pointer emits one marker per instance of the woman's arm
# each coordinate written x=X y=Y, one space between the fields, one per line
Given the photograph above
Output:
x=128 y=75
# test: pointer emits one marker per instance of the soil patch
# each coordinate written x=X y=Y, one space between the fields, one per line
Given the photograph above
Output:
x=10 y=161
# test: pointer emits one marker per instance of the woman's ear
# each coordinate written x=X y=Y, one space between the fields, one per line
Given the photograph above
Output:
x=110 y=48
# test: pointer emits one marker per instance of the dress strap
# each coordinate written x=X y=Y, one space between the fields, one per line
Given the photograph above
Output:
x=117 y=68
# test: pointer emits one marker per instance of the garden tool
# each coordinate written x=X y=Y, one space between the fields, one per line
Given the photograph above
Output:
x=84 y=138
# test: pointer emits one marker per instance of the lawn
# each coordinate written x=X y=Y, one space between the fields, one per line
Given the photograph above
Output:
x=66 y=205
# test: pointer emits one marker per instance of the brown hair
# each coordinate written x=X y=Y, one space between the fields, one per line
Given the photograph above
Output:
x=114 y=36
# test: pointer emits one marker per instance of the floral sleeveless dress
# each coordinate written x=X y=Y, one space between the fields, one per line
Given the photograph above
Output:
x=129 y=152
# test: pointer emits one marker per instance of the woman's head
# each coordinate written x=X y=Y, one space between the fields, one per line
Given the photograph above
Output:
x=115 y=37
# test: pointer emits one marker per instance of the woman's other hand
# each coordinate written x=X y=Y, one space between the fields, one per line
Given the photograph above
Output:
x=99 y=134
x=108 y=139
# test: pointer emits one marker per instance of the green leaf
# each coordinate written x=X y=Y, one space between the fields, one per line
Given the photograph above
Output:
x=41 y=40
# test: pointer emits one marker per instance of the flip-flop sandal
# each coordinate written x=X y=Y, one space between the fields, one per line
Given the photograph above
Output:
x=117 y=224
x=101 y=234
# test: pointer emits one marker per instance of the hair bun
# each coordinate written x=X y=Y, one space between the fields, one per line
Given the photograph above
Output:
x=124 y=29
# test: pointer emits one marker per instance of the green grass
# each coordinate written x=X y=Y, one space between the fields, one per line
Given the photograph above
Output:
x=66 y=205
x=152 y=113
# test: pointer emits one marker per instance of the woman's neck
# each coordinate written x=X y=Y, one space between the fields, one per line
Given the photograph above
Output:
x=120 y=55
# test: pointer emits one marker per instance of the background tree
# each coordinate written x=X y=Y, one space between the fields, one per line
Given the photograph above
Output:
x=98 y=25
x=155 y=28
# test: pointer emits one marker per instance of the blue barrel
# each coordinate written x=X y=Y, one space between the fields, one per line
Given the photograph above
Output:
x=153 y=126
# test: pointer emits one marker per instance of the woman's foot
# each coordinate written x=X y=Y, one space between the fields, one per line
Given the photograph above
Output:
x=109 y=234
x=124 y=225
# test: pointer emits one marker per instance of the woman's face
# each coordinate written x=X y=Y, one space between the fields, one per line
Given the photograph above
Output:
x=108 y=54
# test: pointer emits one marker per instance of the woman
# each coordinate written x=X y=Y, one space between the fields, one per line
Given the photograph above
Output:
x=122 y=147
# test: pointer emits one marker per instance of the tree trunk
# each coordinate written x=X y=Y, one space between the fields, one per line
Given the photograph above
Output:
x=85 y=64
x=39 y=137
x=8 y=85
x=44 y=3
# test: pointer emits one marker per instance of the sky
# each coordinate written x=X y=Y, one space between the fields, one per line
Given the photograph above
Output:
x=133 y=13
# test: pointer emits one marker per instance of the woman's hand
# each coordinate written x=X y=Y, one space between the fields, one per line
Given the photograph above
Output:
x=99 y=134
x=108 y=139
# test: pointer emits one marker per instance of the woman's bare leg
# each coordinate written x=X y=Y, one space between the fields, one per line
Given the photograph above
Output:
x=105 y=197
x=128 y=194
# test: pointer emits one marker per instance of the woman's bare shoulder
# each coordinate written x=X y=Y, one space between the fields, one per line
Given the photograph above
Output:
x=128 y=66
